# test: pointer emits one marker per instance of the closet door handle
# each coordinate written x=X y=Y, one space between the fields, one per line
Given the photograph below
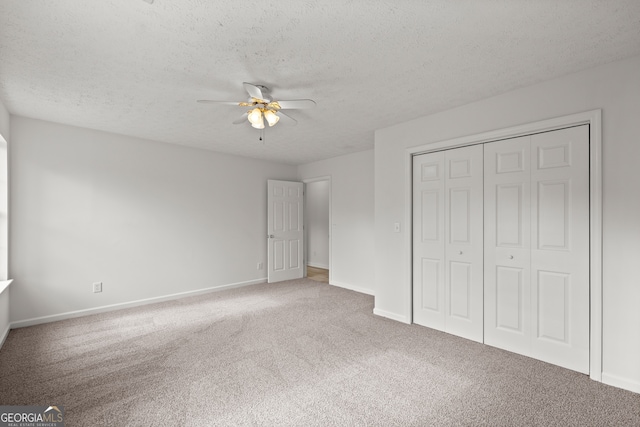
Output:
x=510 y=256
x=460 y=252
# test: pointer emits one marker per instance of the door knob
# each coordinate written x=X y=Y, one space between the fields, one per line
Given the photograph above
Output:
x=510 y=256
x=460 y=252
x=271 y=236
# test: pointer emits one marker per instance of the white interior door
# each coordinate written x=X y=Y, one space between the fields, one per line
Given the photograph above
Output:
x=507 y=241
x=285 y=230
x=464 y=242
x=560 y=247
x=429 y=240
x=537 y=246
x=447 y=241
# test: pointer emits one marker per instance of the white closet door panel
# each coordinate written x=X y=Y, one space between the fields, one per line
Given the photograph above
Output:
x=560 y=247
x=429 y=240
x=464 y=248
x=507 y=245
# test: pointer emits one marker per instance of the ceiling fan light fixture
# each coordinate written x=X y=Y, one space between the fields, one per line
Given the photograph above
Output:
x=272 y=117
x=261 y=108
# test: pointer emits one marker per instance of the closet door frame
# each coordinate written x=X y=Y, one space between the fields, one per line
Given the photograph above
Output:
x=594 y=119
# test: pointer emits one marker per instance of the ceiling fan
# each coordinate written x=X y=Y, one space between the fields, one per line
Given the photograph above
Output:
x=262 y=107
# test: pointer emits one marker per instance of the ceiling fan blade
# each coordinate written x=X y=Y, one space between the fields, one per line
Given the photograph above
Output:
x=241 y=119
x=287 y=118
x=295 y=104
x=210 y=101
x=255 y=92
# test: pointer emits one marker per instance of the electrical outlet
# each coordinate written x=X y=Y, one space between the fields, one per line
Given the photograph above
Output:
x=259 y=266
x=97 y=287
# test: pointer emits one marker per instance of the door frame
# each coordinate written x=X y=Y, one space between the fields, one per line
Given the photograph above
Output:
x=306 y=257
x=594 y=119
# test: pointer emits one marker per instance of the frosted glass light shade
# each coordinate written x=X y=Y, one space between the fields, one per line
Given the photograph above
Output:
x=272 y=117
x=255 y=117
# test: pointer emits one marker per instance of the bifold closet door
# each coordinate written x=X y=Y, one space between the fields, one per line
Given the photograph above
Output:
x=537 y=246
x=428 y=240
x=447 y=241
x=560 y=247
x=464 y=242
x=507 y=237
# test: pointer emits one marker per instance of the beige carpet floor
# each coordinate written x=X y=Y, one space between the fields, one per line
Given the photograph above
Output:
x=297 y=353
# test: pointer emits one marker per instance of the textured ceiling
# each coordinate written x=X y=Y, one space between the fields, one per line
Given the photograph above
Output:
x=134 y=68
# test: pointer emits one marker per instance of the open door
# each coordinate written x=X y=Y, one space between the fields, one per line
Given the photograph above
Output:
x=285 y=200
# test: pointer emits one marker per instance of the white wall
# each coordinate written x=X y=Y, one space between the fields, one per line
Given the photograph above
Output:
x=4 y=295
x=147 y=219
x=616 y=89
x=317 y=223
x=352 y=219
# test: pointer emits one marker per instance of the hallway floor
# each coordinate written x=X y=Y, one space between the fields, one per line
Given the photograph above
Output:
x=318 y=274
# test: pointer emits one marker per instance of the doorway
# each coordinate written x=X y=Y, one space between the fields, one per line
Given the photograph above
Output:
x=317 y=230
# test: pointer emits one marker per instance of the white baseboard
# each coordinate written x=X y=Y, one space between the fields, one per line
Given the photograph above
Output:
x=392 y=316
x=352 y=287
x=119 y=306
x=317 y=265
x=5 y=334
x=616 y=381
